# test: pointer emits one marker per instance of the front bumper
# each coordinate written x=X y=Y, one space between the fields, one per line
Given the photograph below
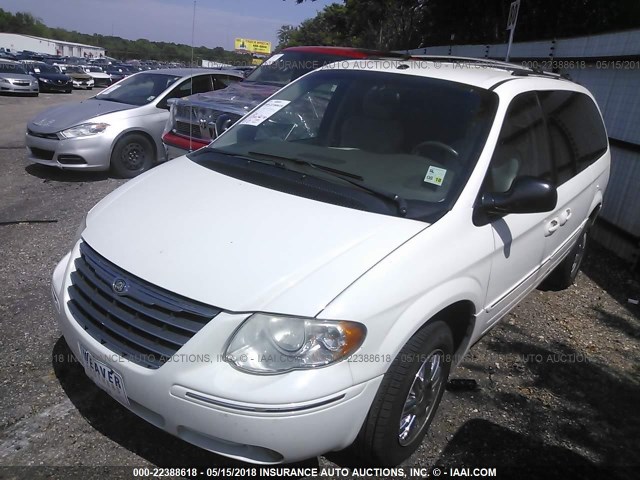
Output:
x=176 y=145
x=55 y=87
x=88 y=84
x=206 y=402
x=86 y=153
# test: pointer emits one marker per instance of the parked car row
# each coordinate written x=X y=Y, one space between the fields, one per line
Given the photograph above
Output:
x=18 y=76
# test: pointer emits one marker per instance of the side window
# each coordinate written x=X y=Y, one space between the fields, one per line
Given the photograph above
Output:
x=202 y=84
x=195 y=85
x=576 y=131
x=522 y=146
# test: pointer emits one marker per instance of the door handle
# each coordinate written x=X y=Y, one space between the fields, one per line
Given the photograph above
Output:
x=552 y=226
x=566 y=215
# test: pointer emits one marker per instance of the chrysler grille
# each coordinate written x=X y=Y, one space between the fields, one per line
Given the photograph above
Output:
x=145 y=324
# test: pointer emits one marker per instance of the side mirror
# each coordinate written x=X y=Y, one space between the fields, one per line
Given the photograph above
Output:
x=223 y=122
x=526 y=195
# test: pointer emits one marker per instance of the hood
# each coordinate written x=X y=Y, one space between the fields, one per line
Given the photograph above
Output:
x=99 y=75
x=16 y=76
x=238 y=98
x=52 y=76
x=238 y=246
x=64 y=116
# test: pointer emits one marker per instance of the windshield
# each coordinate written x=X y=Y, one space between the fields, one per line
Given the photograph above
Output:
x=283 y=68
x=138 y=89
x=94 y=69
x=73 y=69
x=44 y=68
x=11 y=68
x=414 y=140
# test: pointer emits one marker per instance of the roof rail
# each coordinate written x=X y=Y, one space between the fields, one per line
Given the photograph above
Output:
x=516 y=70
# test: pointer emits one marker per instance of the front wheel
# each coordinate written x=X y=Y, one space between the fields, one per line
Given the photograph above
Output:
x=408 y=398
x=132 y=155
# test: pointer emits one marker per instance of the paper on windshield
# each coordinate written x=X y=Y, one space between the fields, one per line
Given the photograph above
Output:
x=265 y=111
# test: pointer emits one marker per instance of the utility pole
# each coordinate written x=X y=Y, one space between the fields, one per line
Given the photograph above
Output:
x=511 y=25
x=193 y=31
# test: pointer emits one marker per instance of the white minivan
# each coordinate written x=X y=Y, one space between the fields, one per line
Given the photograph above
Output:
x=307 y=282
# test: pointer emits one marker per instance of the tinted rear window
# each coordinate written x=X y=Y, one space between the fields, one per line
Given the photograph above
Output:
x=576 y=131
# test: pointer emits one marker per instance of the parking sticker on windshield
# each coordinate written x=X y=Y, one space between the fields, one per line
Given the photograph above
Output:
x=265 y=111
x=435 y=175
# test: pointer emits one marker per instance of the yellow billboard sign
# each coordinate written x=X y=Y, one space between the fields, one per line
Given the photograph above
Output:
x=244 y=45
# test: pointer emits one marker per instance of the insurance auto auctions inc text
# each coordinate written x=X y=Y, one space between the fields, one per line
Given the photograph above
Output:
x=368 y=472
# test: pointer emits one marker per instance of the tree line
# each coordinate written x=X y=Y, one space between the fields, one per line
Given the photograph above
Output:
x=408 y=24
x=117 y=47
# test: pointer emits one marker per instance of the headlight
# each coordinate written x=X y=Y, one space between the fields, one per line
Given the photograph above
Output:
x=84 y=130
x=275 y=344
x=4 y=80
x=45 y=80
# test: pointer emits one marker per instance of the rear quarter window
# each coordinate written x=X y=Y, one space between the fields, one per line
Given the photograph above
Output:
x=576 y=131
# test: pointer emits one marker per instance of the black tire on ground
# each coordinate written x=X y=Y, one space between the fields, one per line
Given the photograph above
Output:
x=407 y=399
x=132 y=155
x=564 y=275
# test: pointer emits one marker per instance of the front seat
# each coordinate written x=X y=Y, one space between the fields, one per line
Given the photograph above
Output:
x=376 y=128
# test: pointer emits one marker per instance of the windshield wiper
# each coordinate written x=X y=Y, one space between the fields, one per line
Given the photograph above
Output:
x=348 y=177
x=307 y=163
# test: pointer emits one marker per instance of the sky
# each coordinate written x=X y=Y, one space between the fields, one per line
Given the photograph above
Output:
x=217 y=22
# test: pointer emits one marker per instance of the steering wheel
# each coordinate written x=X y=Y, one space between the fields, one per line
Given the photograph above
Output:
x=433 y=143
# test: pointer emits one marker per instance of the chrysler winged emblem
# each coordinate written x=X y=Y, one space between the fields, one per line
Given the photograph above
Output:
x=120 y=286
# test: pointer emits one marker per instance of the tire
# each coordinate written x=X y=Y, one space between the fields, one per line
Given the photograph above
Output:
x=393 y=429
x=132 y=155
x=564 y=275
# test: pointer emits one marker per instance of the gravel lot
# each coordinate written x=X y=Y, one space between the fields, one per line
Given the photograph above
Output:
x=558 y=380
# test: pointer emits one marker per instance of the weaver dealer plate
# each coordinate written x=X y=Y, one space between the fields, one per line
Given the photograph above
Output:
x=104 y=376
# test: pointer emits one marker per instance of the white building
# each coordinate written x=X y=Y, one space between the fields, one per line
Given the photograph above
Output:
x=14 y=42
